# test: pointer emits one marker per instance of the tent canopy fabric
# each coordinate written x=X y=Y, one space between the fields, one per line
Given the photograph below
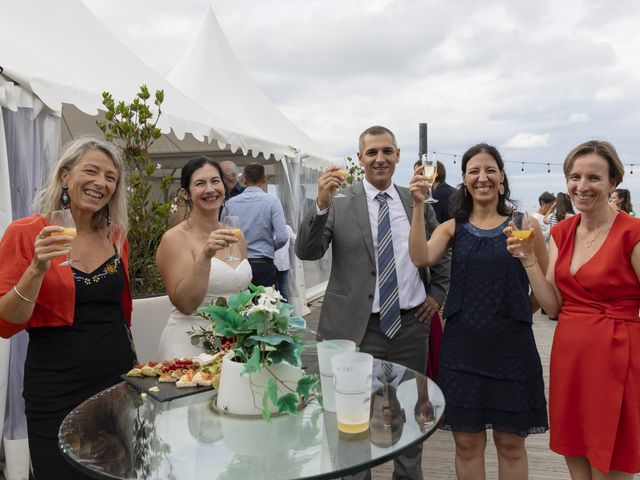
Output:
x=63 y=54
x=211 y=74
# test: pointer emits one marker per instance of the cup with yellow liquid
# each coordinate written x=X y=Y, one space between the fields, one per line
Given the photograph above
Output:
x=352 y=374
x=522 y=231
x=232 y=223
x=63 y=218
x=344 y=174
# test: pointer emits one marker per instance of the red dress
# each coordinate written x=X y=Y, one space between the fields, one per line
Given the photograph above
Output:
x=594 y=390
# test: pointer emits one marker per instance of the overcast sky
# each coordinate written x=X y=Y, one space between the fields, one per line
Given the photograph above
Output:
x=532 y=78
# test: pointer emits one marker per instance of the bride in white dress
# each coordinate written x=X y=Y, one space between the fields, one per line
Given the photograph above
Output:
x=191 y=258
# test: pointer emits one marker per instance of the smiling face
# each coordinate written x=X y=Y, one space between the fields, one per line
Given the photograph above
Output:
x=482 y=178
x=379 y=157
x=91 y=182
x=206 y=188
x=589 y=184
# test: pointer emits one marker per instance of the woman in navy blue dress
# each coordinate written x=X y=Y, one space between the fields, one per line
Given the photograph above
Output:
x=490 y=370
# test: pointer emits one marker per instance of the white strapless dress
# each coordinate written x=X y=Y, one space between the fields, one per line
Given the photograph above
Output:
x=224 y=280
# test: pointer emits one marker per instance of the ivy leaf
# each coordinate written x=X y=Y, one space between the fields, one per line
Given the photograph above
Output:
x=266 y=413
x=253 y=364
x=306 y=384
x=272 y=391
x=288 y=353
x=273 y=340
x=288 y=403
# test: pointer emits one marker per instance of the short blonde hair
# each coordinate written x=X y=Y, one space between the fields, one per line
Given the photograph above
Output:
x=603 y=149
x=114 y=215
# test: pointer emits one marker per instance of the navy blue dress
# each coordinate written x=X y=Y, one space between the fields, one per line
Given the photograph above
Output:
x=490 y=370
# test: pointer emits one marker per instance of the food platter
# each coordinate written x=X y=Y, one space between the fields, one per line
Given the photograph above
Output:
x=166 y=391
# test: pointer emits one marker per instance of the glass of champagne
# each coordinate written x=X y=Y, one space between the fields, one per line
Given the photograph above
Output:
x=232 y=223
x=522 y=231
x=338 y=162
x=430 y=172
x=63 y=218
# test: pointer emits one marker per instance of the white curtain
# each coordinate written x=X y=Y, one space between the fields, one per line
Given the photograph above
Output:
x=297 y=188
x=28 y=149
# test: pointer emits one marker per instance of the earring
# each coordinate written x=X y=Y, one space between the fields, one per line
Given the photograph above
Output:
x=465 y=189
x=501 y=189
x=65 y=199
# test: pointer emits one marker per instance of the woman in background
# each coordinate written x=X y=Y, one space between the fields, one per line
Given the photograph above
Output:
x=191 y=258
x=77 y=316
x=490 y=371
x=621 y=200
x=560 y=210
x=593 y=283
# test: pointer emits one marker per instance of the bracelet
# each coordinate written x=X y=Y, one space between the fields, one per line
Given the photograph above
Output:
x=532 y=264
x=22 y=296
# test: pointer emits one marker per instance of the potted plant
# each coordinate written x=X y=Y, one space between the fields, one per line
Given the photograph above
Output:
x=261 y=373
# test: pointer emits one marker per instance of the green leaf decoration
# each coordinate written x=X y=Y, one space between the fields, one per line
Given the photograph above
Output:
x=288 y=353
x=253 y=364
x=306 y=384
x=288 y=403
x=273 y=340
x=272 y=391
x=266 y=413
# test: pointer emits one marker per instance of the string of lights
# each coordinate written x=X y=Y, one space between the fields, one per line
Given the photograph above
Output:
x=456 y=156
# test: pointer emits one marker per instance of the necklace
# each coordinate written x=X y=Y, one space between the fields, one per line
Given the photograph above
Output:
x=587 y=242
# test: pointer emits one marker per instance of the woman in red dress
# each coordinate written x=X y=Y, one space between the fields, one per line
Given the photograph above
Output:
x=593 y=284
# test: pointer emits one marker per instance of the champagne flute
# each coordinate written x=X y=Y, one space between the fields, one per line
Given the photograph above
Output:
x=522 y=231
x=344 y=174
x=232 y=222
x=63 y=218
x=430 y=172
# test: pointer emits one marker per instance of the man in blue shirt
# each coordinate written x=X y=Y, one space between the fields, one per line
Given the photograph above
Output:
x=262 y=223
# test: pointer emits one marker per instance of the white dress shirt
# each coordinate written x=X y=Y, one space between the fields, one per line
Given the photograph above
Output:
x=410 y=287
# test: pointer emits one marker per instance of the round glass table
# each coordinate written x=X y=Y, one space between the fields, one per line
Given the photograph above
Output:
x=121 y=433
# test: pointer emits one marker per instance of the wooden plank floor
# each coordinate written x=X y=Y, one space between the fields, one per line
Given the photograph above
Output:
x=438 y=454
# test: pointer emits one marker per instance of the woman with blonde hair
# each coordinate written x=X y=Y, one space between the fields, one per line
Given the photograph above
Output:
x=592 y=284
x=78 y=315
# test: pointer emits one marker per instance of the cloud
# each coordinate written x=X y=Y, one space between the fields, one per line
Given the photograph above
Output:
x=579 y=117
x=528 y=140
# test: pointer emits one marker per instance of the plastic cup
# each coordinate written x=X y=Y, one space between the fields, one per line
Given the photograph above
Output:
x=352 y=374
x=326 y=350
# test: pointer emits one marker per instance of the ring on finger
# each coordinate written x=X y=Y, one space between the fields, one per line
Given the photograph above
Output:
x=41 y=236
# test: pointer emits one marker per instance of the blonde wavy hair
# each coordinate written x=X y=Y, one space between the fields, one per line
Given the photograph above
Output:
x=113 y=216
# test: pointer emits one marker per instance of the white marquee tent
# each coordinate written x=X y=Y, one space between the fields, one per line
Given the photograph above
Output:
x=56 y=58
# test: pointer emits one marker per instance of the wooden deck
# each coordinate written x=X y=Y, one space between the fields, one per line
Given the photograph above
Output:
x=438 y=454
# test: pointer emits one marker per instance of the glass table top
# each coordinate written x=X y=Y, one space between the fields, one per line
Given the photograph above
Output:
x=122 y=434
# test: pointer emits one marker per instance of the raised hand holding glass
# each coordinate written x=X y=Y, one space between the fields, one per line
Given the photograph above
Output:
x=63 y=218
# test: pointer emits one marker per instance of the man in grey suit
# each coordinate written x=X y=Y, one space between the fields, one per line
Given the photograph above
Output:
x=357 y=296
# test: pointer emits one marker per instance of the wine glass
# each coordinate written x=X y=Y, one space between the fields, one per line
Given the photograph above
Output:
x=522 y=231
x=63 y=218
x=430 y=172
x=232 y=222
x=338 y=162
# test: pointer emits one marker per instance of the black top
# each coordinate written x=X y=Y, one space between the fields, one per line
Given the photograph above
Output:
x=67 y=365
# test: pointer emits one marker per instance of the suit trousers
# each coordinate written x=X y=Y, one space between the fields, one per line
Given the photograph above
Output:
x=409 y=347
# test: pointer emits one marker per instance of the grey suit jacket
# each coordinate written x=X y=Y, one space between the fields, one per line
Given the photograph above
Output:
x=349 y=296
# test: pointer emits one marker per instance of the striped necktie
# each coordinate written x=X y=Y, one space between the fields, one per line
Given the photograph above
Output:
x=387 y=280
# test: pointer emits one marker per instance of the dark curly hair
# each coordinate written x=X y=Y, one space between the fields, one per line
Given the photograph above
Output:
x=462 y=203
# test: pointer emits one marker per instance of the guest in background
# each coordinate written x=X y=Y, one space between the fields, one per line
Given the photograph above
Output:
x=230 y=178
x=592 y=283
x=561 y=209
x=545 y=201
x=262 y=223
x=77 y=316
x=192 y=258
x=441 y=191
x=621 y=200
x=490 y=370
x=281 y=261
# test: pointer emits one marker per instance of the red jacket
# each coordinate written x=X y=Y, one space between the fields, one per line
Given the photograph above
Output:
x=55 y=304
